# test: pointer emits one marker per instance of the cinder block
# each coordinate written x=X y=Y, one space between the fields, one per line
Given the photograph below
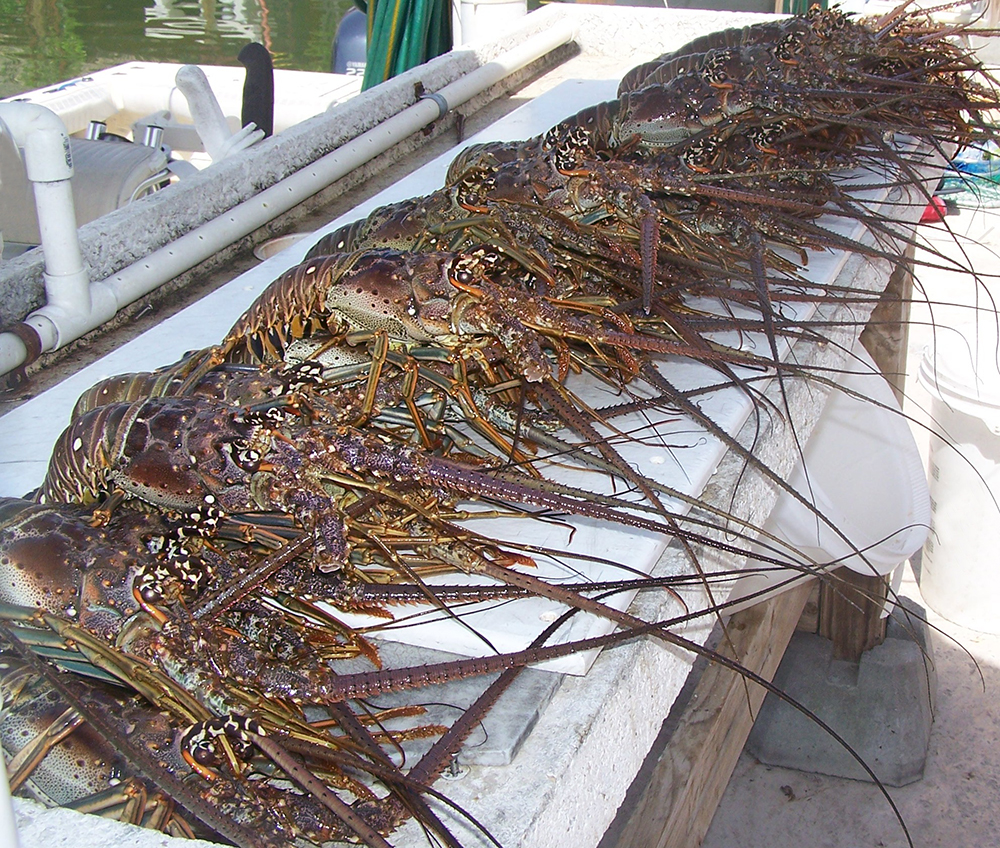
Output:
x=882 y=706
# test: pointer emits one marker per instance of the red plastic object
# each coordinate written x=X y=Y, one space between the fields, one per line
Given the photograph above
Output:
x=935 y=211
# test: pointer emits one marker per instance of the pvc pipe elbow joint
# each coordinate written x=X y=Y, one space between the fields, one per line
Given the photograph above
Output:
x=47 y=155
x=41 y=133
x=67 y=319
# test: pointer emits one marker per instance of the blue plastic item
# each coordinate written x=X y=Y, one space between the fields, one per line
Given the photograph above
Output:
x=983 y=161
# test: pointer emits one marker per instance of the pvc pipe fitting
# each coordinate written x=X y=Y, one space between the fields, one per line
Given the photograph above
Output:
x=48 y=163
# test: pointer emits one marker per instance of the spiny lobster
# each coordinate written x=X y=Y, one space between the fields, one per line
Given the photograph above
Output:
x=154 y=659
x=193 y=520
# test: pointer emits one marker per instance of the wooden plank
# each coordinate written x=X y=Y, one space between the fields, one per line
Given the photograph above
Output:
x=687 y=783
x=887 y=333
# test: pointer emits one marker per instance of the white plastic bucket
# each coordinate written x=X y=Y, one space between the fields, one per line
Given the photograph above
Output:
x=483 y=18
x=960 y=572
x=864 y=474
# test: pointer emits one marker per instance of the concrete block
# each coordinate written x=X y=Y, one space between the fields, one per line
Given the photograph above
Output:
x=882 y=706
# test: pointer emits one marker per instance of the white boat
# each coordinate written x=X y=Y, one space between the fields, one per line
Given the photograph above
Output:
x=134 y=92
x=181 y=118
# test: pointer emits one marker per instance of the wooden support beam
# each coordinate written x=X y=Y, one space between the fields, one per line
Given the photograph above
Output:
x=680 y=799
x=850 y=606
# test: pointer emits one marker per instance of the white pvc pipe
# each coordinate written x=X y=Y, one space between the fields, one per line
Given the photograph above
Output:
x=70 y=308
x=197 y=245
x=57 y=225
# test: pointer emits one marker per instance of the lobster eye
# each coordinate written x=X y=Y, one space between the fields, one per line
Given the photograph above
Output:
x=244 y=455
x=149 y=590
x=249 y=458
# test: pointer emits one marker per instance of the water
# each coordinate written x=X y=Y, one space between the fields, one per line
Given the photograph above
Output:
x=46 y=41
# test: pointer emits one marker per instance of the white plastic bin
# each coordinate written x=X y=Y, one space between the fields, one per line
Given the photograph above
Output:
x=864 y=474
x=960 y=573
x=483 y=18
